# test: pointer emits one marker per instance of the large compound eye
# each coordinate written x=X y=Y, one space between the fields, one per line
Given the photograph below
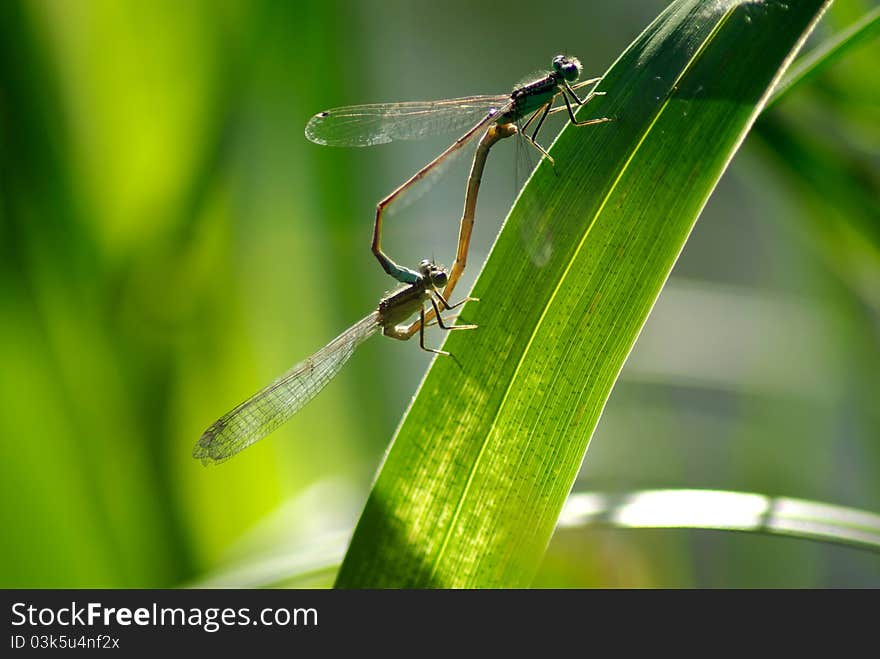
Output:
x=439 y=278
x=558 y=63
x=571 y=69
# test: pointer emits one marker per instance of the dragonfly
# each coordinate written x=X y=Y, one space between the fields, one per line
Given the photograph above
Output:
x=371 y=124
x=270 y=407
x=273 y=405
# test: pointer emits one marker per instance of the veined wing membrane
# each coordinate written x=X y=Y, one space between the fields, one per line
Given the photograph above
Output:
x=367 y=125
x=269 y=408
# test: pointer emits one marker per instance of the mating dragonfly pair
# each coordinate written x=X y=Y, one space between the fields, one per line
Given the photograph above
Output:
x=495 y=117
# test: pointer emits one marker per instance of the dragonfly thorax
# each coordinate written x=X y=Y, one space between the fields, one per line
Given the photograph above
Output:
x=533 y=95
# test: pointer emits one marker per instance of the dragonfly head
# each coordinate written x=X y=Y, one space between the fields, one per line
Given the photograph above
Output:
x=434 y=274
x=567 y=67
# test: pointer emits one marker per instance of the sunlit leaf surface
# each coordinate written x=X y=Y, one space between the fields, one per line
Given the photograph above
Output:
x=472 y=487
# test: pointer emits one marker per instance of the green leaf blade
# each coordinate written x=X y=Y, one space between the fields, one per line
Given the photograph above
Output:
x=828 y=53
x=472 y=487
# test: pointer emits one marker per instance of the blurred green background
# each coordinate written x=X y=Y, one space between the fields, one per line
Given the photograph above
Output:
x=170 y=242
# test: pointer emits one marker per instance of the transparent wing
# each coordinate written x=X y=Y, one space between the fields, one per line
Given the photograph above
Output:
x=366 y=125
x=269 y=408
x=418 y=189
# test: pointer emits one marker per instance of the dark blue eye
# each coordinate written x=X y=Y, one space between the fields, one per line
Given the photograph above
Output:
x=559 y=63
x=567 y=67
x=571 y=69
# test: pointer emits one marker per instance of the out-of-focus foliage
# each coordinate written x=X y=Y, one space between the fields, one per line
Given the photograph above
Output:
x=169 y=242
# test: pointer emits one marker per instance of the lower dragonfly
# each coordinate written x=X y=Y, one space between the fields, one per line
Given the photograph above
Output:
x=272 y=406
x=269 y=408
x=528 y=103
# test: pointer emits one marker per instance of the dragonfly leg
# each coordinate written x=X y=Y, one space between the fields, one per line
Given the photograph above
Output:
x=431 y=319
x=584 y=83
x=541 y=121
x=574 y=95
x=450 y=307
x=562 y=108
x=544 y=154
x=543 y=111
x=529 y=121
x=422 y=336
x=440 y=319
x=587 y=122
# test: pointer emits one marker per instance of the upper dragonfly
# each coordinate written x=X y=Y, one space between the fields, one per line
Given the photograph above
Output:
x=379 y=123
